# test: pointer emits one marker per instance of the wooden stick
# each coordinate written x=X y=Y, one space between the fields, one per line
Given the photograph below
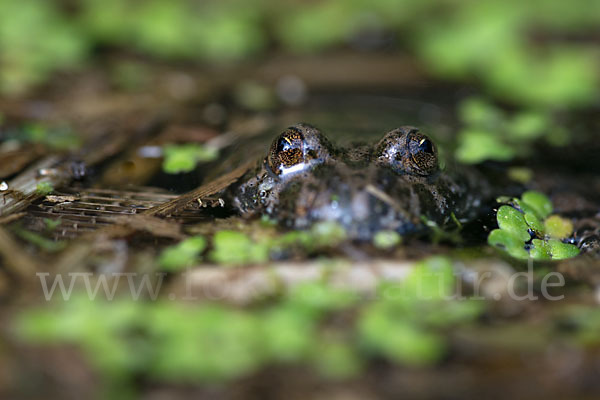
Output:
x=210 y=188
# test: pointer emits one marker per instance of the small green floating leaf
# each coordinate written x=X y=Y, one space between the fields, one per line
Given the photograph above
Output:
x=479 y=112
x=430 y=279
x=507 y=241
x=540 y=250
x=318 y=297
x=561 y=251
x=288 y=334
x=452 y=313
x=528 y=125
x=182 y=255
x=520 y=174
x=386 y=239
x=328 y=233
x=513 y=221
x=183 y=158
x=558 y=227
x=539 y=202
x=533 y=222
x=476 y=145
x=44 y=188
x=236 y=248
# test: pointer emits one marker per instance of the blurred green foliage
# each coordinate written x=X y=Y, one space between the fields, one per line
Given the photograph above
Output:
x=44 y=188
x=581 y=321
x=40 y=241
x=174 y=342
x=182 y=255
x=233 y=248
x=56 y=137
x=494 y=42
x=522 y=52
x=490 y=133
x=36 y=38
x=386 y=239
x=236 y=248
x=184 y=157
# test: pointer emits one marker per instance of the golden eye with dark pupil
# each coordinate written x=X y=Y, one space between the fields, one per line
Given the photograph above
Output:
x=422 y=152
x=286 y=151
x=407 y=151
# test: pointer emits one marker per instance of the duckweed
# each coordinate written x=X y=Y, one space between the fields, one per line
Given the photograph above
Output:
x=490 y=133
x=288 y=334
x=540 y=203
x=39 y=37
x=520 y=174
x=399 y=327
x=183 y=158
x=236 y=248
x=317 y=298
x=36 y=40
x=512 y=221
x=44 y=188
x=557 y=227
x=540 y=250
x=527 y=230
x=475 y=146
x=233 y=248
x=328 y=233
x=320 y=236
x=560 y=250
x=397 y=340
x=174 y=342
x=431 y=279
x=506 y=241
x=386 y=239
x=534 y=223
x=182 y=255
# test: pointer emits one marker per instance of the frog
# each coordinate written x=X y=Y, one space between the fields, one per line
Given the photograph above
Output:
x=395 y=184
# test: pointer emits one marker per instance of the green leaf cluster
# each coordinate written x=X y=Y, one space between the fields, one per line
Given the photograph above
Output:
x=527 y=230
x=490 y=133
x=236 y=248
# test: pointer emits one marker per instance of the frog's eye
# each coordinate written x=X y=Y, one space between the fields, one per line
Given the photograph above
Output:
x=422 y=153
x=298 y=147
x=407 y=151
x=286 y=151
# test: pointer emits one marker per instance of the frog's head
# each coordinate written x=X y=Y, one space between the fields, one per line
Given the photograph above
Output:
x=366 y=188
